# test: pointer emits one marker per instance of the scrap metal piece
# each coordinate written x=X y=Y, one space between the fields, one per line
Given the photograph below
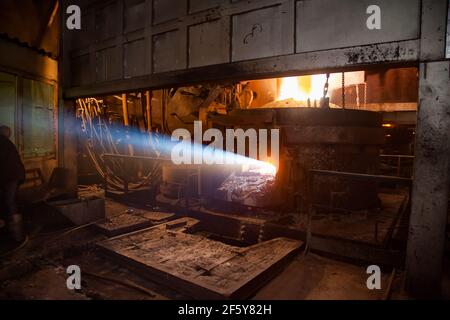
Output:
x=248 y=188
x=197 y=266
x=129 y=222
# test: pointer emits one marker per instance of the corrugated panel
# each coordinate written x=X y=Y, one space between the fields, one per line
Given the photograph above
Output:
x=86 y=36
x=159 y=36
x=258 y=34
x=109 y=64
x=209 y=43
x=8 y=102
x=37 y=113
x=134 y=58
x=166 y=10
x=106 y=21
x=81 y=72
x=134 y=15
x=169 y=51
x=199 y=5
x=330 y=24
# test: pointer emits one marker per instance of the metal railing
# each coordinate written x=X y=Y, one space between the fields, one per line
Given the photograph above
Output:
x=350 y=176
x=399 y=158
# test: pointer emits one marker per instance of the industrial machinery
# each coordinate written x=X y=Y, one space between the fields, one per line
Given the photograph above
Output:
x=320 y=138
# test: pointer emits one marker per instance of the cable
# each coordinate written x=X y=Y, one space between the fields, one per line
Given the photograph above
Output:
x=77 y=228
x=100 y=140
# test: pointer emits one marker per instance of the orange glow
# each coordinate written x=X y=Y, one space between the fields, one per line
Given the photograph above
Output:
x=387 y=125
x=290 y=89
x=268 y=168
x=302 y=88
x=261 y=167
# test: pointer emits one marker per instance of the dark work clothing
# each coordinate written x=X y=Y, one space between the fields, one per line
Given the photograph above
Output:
x=8 y=193
x=11 y=167
x=12 y=174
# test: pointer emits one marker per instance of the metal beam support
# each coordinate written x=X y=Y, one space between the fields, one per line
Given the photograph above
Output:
x=404 y=53
x=431 y=182
x=125 y=110
x=433 y=26
x=68 y=127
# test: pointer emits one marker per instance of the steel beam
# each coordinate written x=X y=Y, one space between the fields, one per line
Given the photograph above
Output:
x=431 y=182
x=403 y=53
x=433 y=26
x=67 y=148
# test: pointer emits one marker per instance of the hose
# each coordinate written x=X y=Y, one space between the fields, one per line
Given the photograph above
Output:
x=100 y=140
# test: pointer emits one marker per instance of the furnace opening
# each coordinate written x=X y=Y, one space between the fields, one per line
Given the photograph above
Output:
x=334 y=128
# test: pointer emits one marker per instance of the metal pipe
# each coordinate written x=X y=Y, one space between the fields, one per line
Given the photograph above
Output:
x=125 y=110
x=148 y=99
x=125 y=156
x=362 y=176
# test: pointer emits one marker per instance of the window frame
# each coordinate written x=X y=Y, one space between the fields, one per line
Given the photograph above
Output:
x=19 y=120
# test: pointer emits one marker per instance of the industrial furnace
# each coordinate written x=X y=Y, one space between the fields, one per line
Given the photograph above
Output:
x=198 y=149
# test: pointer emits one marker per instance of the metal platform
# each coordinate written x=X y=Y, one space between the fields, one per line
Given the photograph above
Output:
x=124 y=219
x=197 y=266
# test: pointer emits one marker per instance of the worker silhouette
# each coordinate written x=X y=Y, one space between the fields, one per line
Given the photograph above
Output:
x=12 y=174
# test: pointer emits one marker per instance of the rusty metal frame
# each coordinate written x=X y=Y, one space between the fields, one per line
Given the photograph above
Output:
x=429 y=46
x=351 y=176
x=404 y=53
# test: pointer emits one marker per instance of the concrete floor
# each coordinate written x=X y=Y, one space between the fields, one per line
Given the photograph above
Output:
x=313 y=277
x=37 y=271
x=310 y=277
